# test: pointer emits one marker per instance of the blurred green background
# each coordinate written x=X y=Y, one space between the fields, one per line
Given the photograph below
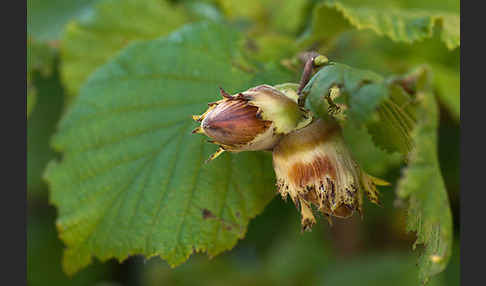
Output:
x=373 y=251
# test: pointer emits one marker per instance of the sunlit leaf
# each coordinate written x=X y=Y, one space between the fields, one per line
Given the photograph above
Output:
x=399 y=24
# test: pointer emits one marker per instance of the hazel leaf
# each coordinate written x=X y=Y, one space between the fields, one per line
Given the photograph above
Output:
x=429 y=214
x=132 y=179
x=393 y=121
x=399 y=24
x=368 y=99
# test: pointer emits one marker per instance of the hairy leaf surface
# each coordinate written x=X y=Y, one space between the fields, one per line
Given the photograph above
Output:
x=133 y=178
x=393 y=122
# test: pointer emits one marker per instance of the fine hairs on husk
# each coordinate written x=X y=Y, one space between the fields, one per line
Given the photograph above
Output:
x=314 y=167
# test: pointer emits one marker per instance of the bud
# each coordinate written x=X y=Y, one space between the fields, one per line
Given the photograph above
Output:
x=314 y=167
x=253 y=120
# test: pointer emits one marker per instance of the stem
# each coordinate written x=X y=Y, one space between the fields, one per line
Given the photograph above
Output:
x=313 y=60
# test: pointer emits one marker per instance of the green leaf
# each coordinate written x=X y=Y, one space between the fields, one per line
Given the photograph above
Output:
x=394 y=120
x=368 y=51
x=89 y=42
x=399 y=24
x=133 y=178
x=429 y=213
x=364 y=89
x=372 y=159
x=46 y=19
x=382 y=106
x=393 y=127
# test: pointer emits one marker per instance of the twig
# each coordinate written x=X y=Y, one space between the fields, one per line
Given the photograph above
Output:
x=313 y=60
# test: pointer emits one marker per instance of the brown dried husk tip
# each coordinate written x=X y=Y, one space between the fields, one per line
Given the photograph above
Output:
x=315 y=168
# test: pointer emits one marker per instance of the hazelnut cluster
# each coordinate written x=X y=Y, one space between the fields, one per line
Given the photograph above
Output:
x=312 y=163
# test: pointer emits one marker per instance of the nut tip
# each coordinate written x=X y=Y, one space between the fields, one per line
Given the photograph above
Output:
x=215 y=155
x=224 y=93
x=198 y=130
